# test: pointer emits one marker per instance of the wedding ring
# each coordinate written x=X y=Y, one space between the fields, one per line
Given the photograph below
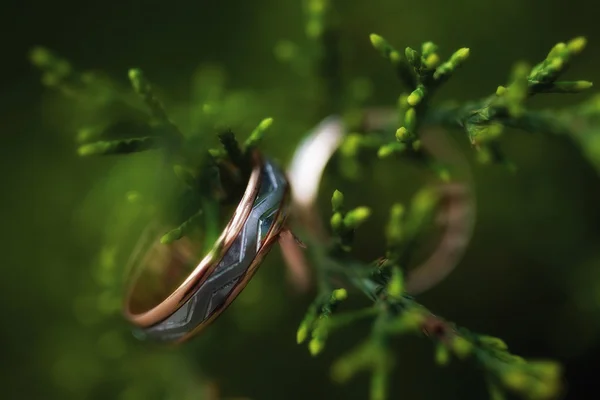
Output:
x=455 y=212
x=186 y=307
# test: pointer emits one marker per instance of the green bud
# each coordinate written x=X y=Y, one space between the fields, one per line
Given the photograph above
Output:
x=265 y=124
x=394 y=232
x=337 y=201
x=409 y=321
x=422 y=207
x=171 y=236
x=518 y=90
x=500 y=91
x=515 y=380
x=182 y=229
x=302 y=333
x=582 y=85
x=416 y=96
x=124 y=146
x=315 y=346
x=547 y=369
x=395 y=57
x=257 y=134
x=395 y=286
x=428 y=48
x=380 y=44
x=316 y=6
x=89 y=149
x=410 y=119
x=389 y=149
x=570 y=87
x=336 y=221
x=356 y=217
x=493 y=342
x=432 y=61
x=577 y=45
x=55 y=69
x=217 y=153
x=442 y=355
x=41 y=56
x=339 y=294
x=461 y=347
x=460 y=56
x=558 y=50
x=138 y=81
x=351 y=144
x=556 y=64
x=402 y=134
x=446 y=69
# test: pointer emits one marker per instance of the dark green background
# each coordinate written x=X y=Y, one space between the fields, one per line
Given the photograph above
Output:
x=531 y=275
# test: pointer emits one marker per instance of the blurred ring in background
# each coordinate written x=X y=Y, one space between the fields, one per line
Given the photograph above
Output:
x=456 y=207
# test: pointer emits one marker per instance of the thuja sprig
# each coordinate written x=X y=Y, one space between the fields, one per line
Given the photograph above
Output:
x=163 y=133
x=484 y=120
x=404 y=229
x=395 y=313
x=422 y=74
x=210 y=177
x=344 y=223
x=59 y=73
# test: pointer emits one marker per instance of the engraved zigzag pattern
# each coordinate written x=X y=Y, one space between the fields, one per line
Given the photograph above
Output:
x=234 y=264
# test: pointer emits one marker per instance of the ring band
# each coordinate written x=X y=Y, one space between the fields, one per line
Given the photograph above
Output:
x=455 y=212
x=221 y=275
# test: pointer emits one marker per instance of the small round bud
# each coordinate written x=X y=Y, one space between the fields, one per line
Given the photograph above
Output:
x=577 y=45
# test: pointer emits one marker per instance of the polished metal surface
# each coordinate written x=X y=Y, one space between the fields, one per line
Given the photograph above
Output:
x=213 y=294
x=455 y=213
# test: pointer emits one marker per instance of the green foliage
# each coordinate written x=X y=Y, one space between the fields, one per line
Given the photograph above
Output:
x=484 y=120
x=113 y=120
x=394 y=312
x=198 y=171
x=204 y=174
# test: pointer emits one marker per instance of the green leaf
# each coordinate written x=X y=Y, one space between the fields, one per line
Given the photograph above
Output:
x=337 y=201
x=125 y=146
x=356 y=217
x=257 y=134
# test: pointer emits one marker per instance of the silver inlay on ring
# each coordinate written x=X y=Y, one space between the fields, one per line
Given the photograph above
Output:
x=213 y=295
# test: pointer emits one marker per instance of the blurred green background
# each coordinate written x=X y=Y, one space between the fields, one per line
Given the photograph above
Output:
x=530 y=276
